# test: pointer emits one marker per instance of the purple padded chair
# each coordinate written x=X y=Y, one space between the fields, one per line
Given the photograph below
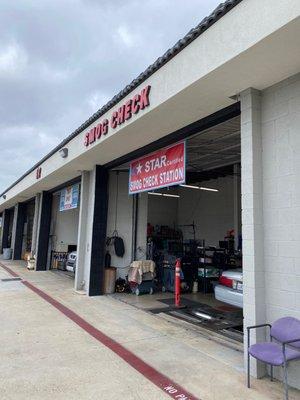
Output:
x=286 y=347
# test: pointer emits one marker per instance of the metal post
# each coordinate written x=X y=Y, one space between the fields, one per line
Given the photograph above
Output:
x=177 y=282
x=272 y=374
x=285 y=374
x=248 y=358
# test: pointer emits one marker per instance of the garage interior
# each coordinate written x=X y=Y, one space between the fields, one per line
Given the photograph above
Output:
x=28 y=229
x=8 y=233
x=198 y=222
x=63 y=235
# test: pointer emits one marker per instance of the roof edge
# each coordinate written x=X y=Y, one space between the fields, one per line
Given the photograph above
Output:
x=221 y=10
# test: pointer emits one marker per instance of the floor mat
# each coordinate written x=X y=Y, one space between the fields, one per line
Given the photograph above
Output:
x=225 y=320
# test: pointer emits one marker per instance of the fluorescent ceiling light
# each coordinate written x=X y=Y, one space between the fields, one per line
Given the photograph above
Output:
x=200 y=188
x=190 y=186
x=208 y=189
x=163 y=194
x=170 y=195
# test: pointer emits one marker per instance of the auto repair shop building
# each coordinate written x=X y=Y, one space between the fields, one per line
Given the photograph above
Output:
x=230 y=92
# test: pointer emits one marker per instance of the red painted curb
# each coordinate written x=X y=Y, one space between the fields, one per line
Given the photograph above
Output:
x=10 y=271
x=171 y=388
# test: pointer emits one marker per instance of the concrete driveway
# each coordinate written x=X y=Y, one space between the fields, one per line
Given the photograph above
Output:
x=45 y=354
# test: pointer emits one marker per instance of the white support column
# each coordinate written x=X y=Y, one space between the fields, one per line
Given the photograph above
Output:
x=35 y=224
x=252 y=219
x=92 y=229
x=84 y=232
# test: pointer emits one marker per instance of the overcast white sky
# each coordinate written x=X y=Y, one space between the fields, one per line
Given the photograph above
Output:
x=61 y=60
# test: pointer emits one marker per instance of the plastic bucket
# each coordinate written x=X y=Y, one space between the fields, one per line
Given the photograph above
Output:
x=110 y=280
x=7 y=253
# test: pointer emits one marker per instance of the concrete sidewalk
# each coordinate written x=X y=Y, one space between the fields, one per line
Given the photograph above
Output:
x=44 y=355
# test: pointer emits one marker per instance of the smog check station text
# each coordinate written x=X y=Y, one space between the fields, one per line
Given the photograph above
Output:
x=163 y=168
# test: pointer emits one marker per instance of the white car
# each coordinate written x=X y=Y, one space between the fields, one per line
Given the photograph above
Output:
x=230 y=288
x=71 y=262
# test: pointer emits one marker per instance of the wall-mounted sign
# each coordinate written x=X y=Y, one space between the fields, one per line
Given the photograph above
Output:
x=118 y=117
x=38 y=173
x=165 y=167
x=69 y=198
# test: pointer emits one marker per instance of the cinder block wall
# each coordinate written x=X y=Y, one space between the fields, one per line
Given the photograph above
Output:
x=280 y=118
x=120 y=216
x=64 y=226
x=212 y=212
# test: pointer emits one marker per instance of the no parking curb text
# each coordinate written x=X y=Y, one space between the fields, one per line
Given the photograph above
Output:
x=171 y=390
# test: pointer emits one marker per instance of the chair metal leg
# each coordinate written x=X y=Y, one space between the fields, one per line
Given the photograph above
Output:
x=248 y=370
x=286 y=390
x=272 y=376
x=285 y=380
